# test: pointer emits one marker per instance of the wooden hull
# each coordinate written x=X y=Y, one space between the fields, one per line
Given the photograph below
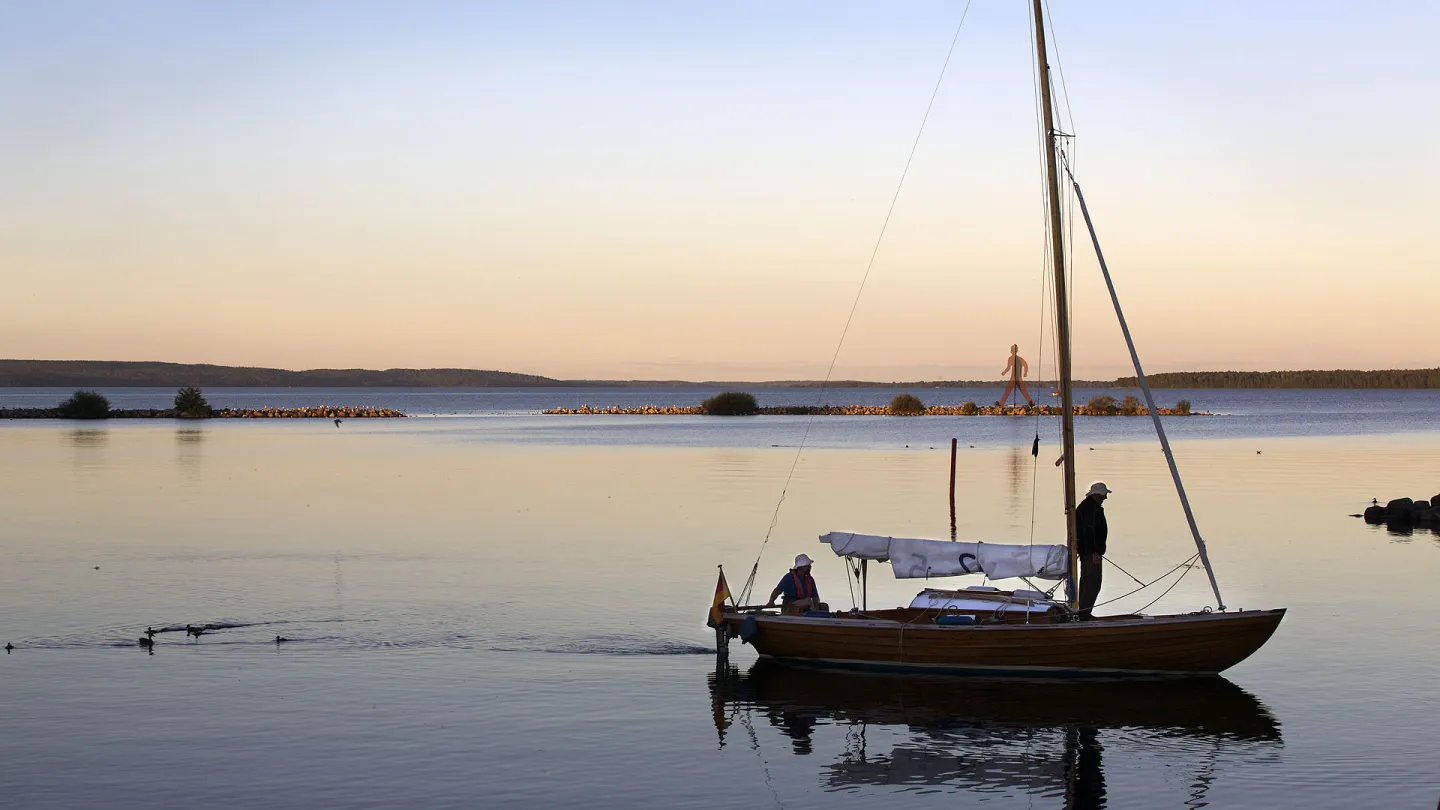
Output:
x=1189 y=644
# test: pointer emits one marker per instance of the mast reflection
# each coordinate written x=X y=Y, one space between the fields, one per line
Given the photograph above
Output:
x=1020 y=736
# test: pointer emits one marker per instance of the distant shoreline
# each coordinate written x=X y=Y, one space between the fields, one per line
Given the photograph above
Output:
x=127 y=374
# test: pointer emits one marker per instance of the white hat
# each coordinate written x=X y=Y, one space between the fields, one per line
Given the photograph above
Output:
x=803 y=560
x=1098 y=488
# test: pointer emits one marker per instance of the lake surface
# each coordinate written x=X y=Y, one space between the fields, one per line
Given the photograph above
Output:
x=501 y=609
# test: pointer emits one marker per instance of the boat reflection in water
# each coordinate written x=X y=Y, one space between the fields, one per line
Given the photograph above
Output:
x=1037 y=737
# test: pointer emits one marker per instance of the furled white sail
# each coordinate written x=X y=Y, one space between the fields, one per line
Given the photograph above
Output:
x=913 y=558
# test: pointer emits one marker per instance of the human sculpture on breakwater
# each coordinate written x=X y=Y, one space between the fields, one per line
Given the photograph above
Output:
x=1017 y=368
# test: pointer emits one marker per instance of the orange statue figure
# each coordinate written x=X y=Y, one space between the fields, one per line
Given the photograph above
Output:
x=1017 y=368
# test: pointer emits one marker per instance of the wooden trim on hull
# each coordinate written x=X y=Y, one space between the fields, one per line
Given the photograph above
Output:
x=1195 y=644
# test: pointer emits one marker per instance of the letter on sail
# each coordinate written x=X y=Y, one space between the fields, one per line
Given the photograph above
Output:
x=913 y=558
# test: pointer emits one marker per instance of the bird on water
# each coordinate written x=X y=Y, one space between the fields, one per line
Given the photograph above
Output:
x=147 y=642
x=281 y=639
x=150 y=632
x=8 y=647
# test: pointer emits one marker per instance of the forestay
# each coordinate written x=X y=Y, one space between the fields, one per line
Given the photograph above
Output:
x=913 y=558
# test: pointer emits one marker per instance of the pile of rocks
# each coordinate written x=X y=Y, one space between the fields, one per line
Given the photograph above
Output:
x=851 y=410
x=29 y=413
x=615 y=410
x=317 y=412
x=1403 y=512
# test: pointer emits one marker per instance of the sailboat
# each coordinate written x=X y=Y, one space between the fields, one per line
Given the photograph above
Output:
x=1026 y=632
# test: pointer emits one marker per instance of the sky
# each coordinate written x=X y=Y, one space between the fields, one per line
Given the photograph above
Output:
x=694 y=190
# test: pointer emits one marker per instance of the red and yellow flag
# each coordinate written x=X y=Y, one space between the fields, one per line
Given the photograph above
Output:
x=722 y=593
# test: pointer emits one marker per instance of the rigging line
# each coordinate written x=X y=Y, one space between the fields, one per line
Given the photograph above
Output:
x=880 y=238
x=1123 y=571
x=1042 y=142
x=1046 y=263
x=849 y=583
x=1068 y=200
x=764 y=766
x=1190 y=563
x=1067 y=244
x=1054 y=41
x=1188 y=569
x=1145 y=389
x=1044 y=291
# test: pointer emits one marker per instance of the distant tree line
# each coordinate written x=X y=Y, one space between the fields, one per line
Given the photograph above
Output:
x=87 y=373
x=123 y=374
x=1395 y=378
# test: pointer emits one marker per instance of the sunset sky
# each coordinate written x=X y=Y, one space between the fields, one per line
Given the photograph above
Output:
x=693 y=190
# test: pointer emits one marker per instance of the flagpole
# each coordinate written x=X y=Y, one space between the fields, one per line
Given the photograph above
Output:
x=722 y=633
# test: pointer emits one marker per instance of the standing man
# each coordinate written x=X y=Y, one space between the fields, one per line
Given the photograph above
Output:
x=1017 y=368
x=798 y=589
x=1091 y=531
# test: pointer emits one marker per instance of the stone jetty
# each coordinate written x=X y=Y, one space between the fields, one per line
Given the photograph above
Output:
x=314 y=412
x=1404 y=513
x=859 y=410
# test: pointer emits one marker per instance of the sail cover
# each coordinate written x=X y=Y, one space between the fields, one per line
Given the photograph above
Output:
x=913 y=558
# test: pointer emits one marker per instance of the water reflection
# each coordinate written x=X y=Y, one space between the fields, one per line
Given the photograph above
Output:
x=188 y=448
x=87 y=437
x=1401 y=531
x=1017 y=491
x=1044 y=738
x=90 y=446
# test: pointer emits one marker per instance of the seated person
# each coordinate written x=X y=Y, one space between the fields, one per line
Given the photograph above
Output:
x=798 y=589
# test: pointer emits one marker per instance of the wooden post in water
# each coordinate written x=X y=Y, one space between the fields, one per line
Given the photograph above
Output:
x=954 y=443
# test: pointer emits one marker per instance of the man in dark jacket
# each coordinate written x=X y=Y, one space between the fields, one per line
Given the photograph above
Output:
x=1091 y=531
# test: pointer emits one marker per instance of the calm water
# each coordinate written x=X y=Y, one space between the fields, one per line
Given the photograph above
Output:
x=507 y=610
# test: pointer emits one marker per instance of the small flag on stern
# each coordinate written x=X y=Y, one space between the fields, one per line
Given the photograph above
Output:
x=722 y=592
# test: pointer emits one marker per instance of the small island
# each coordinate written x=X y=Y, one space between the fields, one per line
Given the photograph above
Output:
x=189 y=403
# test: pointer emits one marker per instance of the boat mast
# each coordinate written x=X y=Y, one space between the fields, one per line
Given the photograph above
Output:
x=1062 y=310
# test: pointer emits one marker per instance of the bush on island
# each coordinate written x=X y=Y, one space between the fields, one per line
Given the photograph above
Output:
x=1130 y=406
x=1183 y=407
x=191 y=404
x=970 y=408
x=85 y=405
x=731 y=403
x=1100 y=405
x=907 y=405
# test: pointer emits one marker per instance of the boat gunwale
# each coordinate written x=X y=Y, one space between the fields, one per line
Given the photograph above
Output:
x=885 y=624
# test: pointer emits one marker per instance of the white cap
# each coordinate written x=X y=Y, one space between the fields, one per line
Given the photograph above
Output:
x=803 y=560
x=1098 y=488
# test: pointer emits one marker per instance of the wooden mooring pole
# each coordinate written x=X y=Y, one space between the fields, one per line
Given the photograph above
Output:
x=954 y=444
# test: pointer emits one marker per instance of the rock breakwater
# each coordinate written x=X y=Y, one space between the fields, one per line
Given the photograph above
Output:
x=315 y=412
x=1403 y=513
x=856 y=410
